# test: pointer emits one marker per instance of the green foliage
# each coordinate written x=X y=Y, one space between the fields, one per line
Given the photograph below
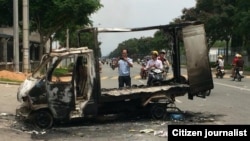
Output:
x=60 y=71
x=247 y=68
x=138 y=48
x=52 y=16
x=219 y=44
x=5 y=12
x=71 y=67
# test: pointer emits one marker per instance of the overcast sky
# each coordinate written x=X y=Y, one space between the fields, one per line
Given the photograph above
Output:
x=132 y=14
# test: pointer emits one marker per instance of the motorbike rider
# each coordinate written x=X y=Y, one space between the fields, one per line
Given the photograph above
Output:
x=219 y=64
x=153 y=63
x=234 y=65
x=239 y=63
x=165 y=62
x=143 y=72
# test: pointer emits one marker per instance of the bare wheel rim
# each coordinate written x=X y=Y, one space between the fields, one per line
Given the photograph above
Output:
x=43 y=119
x=158 y=111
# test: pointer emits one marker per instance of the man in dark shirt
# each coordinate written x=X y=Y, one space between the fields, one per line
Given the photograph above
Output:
x=240 y=63
x=234 y=64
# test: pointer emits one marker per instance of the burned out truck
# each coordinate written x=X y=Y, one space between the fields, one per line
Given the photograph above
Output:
x=57 y=93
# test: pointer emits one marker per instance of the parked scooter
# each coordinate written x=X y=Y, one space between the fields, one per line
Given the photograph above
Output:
x=238 y=74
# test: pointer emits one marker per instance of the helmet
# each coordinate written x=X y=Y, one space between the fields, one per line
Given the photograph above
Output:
x=162 y=51
x=239 y=56
x=154 y=53
x=220 y=56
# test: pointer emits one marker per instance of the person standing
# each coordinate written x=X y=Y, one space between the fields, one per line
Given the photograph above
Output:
x=124 y=63
x=100 y=66
x=153 y=63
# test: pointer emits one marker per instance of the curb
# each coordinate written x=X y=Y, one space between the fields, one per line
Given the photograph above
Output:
x=11 y=83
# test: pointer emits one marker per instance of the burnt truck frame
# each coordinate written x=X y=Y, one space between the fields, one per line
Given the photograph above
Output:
x=47 y=95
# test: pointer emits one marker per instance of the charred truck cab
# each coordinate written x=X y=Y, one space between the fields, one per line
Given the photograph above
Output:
x=67 y=83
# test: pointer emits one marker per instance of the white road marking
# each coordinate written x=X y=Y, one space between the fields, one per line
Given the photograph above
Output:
x=114 y=77
x=141 y=82
x=178 y=101
x=232 y=86
x=103 y=78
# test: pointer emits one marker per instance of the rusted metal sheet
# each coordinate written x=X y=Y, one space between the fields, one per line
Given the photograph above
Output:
x=198 y=68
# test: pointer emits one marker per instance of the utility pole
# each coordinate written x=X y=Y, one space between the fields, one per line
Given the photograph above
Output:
x=26 y=36
x=16 y=35
x=67 y=36
x=67 y=44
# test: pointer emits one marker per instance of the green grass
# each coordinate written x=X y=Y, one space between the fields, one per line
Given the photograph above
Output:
x=8 y=80
x=60 y=71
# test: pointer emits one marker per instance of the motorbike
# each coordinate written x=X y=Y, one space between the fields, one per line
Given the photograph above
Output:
x=220 y=72
x=238 y=74
x=112 y=65
x=156 y=77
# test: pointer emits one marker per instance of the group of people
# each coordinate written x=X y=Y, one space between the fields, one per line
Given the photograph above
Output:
x=124 y=64
x=157 y=61
x=237 y=63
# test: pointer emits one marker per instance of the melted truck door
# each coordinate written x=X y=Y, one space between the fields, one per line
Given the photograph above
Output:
x=60 y=93
x=198 y=67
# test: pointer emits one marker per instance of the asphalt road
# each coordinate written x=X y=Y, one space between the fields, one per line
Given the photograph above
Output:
x=228 y=103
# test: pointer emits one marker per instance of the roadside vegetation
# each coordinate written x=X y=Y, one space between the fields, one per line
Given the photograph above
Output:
x=9 y=80
x=226 y=23
x=228 y=66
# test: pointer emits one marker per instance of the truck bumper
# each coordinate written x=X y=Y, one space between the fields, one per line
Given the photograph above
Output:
x=23 y=111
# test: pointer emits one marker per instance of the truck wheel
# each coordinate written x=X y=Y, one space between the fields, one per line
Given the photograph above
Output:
x=158 y=111
x=42 y=119
x=207 y=93
x=156 y=83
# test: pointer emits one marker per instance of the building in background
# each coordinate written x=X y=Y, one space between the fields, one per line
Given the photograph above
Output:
x=7 y=48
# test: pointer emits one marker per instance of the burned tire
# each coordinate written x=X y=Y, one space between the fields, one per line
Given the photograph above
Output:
x=156 y=83
x=42 y=119
x=183 y=80
x=158 y=111
x=207 y=92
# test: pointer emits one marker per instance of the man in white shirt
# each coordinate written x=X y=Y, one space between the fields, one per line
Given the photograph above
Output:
x=124 y=64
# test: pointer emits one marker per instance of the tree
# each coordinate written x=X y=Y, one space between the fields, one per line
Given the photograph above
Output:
x=53 y=16
x=242 y=25
x=217 y=16
x=48 y=17
x=5 y=11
